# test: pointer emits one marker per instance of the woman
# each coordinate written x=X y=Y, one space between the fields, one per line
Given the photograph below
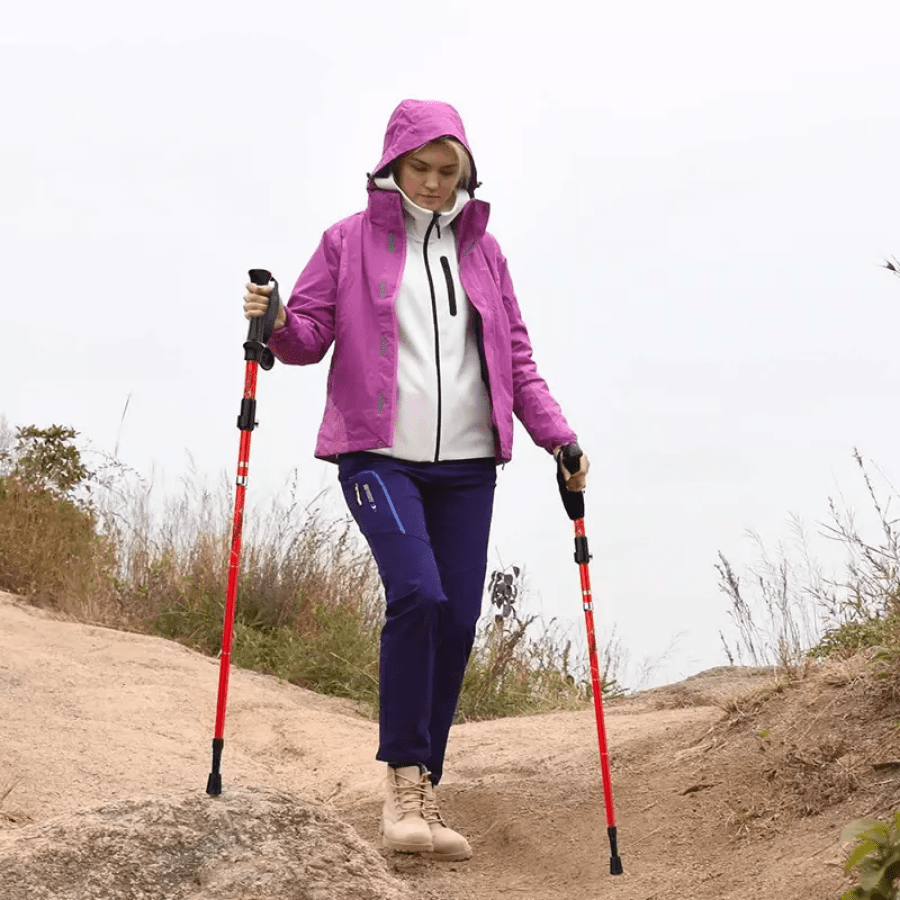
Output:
x=431 y=360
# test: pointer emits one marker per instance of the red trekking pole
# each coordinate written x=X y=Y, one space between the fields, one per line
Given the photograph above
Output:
x=257 y=355
x=570 y=457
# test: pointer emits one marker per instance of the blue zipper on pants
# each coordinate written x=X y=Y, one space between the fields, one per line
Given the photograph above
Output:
x=386 y=495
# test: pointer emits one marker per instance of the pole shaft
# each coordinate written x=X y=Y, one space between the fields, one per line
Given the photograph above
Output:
x=234 y=565
x=596 y=683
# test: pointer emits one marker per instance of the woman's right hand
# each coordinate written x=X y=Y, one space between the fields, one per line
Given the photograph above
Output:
x=256 y=302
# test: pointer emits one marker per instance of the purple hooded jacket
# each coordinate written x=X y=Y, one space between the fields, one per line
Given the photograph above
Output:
x=346 y=295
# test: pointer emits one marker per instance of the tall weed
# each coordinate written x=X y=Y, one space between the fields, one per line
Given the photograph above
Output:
x=787 y=610
x=775 y=606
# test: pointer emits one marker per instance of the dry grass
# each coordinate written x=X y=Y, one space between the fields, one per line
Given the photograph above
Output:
x=51 y=553
x=102 y=547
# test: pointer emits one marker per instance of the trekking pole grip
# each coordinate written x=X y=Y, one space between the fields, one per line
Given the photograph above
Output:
x=573 y=501
x=261 y=327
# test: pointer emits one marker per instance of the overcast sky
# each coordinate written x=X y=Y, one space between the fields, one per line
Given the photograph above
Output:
x=694 y=199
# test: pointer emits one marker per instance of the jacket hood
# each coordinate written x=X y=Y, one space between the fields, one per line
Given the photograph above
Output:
x=417 y=122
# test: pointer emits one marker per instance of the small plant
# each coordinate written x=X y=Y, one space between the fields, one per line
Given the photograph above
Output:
x=876 y=857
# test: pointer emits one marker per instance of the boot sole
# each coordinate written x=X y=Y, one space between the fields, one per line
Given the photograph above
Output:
x=399 y=847
x=449 y=857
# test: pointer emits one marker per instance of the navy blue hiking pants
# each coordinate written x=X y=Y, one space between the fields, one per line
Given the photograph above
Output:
x=427 y=525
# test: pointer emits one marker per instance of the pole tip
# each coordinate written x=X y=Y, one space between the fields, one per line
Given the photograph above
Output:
x=214 y=784
x=615 y=865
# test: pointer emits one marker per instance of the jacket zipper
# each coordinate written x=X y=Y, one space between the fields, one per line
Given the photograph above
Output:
x=437 y=339
x=451 y=291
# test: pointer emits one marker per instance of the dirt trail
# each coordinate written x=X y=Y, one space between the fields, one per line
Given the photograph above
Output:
x=90 y=715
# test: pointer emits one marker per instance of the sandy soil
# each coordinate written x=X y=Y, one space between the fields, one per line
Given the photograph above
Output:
x=730 y=785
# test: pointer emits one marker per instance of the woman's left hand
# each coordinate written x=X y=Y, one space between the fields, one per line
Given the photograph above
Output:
x=575 y=481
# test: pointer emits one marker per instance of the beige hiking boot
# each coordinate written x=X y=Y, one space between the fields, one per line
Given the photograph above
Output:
x=449 y=845
x=403 y=826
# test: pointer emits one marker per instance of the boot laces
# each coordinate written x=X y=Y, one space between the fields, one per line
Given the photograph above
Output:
x=409 y=794
x=430 y=811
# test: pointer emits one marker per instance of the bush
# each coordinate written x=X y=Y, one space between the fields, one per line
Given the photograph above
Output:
x=50 y=549
x=876 y=857
x=851 y=637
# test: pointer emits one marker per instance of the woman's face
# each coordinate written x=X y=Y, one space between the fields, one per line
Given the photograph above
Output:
x=429 y=176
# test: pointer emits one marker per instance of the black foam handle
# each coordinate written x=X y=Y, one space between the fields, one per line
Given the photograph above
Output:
x=261 y=327
x=573 y=501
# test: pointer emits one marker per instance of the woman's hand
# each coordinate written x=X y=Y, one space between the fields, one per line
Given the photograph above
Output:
x=256 y=302
x=575 y=481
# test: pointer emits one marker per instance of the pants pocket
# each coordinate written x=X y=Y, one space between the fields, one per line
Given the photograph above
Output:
x=371 y=504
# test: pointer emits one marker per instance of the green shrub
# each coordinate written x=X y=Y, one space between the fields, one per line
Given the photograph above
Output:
x=851 y=637
x=50 y=547
x=876 y=857
x=47 y=460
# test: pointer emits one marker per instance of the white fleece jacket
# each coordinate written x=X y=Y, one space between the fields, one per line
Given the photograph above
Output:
x=443 y=405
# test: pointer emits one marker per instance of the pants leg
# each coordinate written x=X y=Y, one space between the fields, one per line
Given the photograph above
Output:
x=458 y=518
x=427 y=525
x=387 y=505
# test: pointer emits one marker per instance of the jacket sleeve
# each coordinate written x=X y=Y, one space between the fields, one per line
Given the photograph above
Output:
x=532 y=402
x=309 y=330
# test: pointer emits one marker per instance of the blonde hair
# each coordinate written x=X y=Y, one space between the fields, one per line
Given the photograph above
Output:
x=462 y=157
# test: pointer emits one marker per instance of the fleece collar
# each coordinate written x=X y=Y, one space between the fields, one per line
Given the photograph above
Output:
x=419 y=219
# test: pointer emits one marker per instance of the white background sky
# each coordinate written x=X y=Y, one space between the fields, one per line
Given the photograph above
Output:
x=694 y=199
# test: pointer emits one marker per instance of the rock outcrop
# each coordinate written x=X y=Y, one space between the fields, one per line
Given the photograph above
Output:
x=244 y=845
